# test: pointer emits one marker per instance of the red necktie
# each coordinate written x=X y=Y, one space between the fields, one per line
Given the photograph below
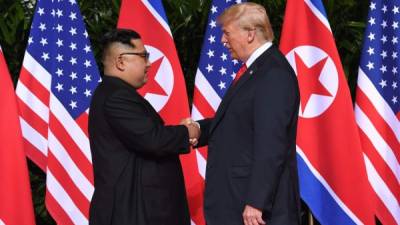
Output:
x=240 y=72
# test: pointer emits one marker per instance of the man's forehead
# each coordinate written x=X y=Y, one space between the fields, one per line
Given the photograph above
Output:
x=228 y=26
x=138 y=43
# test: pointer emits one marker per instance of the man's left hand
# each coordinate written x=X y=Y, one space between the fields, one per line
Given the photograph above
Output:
x=252 y=216
x=194 y=130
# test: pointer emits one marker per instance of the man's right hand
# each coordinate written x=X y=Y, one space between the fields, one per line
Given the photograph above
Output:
x=194 y=130
x=252 y=216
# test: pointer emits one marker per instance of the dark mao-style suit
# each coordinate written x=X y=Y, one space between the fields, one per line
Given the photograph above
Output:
x=137 y=173
x=252 y=146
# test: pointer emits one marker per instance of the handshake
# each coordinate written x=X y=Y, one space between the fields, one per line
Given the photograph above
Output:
x=194 y=130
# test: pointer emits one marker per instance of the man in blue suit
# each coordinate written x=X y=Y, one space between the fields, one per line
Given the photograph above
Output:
x=251 y=174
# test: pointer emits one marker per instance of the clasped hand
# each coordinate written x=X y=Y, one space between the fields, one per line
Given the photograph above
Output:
x=194 y=130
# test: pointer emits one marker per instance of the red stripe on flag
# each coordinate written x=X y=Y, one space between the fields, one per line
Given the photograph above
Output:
x=202 y=104
x=34 y=86
x=196 y=206
x=194 y=187
x=203 y=151
x=76 y=154
x=33 y=119
x=383 y=213
x=35 y=155
x=56 y=211
x=379 y=123
x=83 y=123
x=68 y=184
x=380 y=165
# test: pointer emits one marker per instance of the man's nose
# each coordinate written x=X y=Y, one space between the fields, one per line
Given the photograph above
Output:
x=223 y=40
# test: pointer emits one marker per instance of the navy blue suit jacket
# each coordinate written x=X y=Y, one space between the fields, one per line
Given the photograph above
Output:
x=252 y=146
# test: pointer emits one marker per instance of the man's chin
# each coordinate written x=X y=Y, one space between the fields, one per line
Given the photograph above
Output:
x=141 y=84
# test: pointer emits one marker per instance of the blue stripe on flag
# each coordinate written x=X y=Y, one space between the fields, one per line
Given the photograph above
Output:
x=158 y=6
x=324 y=207
x=318 y=4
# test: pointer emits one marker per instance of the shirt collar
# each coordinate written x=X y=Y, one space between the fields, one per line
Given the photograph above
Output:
x=260 y=50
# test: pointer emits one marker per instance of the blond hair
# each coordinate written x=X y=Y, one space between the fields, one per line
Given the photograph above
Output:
x=250 y=16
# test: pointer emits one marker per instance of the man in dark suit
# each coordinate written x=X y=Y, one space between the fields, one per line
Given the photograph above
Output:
x=137 y=173
x=251 y=174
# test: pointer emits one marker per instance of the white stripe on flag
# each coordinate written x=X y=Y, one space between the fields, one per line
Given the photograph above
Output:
x=71 y=126
x=196 y=115
x=79 y=179
x=377 y=141
x=318 y=176
x=157 y=16
x=207 y=90
x=33 y=137
x=384 y=110
x=37 y=71
x=33 y=102
x=201 y=164
x=64 y=200
x=318 y=14
x=1 y=221
x=382 y=190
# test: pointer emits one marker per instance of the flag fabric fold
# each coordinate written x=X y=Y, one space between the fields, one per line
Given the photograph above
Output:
x=16 y=206
x=57 y=79
x=377 y=107
x=333 y=180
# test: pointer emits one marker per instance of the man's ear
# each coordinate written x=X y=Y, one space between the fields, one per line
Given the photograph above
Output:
x=251 y=35
x=119 y=63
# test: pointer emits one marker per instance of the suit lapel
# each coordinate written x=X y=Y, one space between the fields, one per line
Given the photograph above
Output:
x=234 y=89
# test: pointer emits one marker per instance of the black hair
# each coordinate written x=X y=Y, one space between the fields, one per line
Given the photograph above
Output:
x=123 y=36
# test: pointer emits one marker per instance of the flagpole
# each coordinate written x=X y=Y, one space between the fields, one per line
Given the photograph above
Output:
x=310 y=218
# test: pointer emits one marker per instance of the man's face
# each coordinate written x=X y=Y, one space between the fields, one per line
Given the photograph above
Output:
x=136 y=64
x=235 y=40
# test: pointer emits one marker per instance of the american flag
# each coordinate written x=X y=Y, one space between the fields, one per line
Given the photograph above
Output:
x=214 y=75
x=378 y=104
x=56 y=82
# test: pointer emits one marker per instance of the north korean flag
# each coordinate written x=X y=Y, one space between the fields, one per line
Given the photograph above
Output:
x=333 y=180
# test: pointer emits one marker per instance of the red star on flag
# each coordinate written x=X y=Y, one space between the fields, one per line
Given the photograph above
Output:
x=152 y=85
x=308 y=78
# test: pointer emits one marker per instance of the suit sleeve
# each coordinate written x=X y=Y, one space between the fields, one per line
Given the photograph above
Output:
x=205 y=131
x=128 y=118
x=275 y=106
